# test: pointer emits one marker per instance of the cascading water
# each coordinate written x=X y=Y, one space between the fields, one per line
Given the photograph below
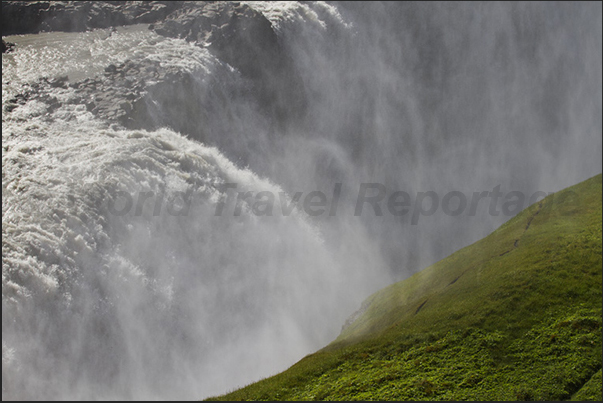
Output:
x=121 y=281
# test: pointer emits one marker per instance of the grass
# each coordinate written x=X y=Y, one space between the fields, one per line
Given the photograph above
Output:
x=515 y=316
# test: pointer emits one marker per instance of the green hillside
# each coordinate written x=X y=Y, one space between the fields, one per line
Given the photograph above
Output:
x=515 y=316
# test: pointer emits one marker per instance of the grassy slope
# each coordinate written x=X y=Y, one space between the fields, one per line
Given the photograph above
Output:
x=515 y=316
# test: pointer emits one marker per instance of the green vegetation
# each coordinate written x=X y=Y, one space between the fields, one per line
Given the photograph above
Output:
x=591 y=389
x=515 y=316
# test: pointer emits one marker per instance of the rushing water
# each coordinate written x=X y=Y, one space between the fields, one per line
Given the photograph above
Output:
x=167 y=299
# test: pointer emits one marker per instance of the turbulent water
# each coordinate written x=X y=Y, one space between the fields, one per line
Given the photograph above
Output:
x=120 y=280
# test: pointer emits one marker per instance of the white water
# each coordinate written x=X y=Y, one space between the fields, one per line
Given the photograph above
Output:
x=149 y=306
x=165 y=306
x=142 y=304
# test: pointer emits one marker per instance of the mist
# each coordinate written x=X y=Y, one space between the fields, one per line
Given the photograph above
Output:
x=165 y=298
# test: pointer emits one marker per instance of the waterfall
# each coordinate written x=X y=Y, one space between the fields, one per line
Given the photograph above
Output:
x=181 y=184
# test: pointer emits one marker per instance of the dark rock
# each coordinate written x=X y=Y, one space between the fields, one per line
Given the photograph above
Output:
x=18 y=100
x=126 y=106
x=59 y=82
x=90 y=106
x=7 y=46
x=10 y=106
x=111 y=69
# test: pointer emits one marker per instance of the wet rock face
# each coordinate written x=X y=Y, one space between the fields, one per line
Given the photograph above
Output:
x=237 y=34
x=28 y=17
x=245 y=39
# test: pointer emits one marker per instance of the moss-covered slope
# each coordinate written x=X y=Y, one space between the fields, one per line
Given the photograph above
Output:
x=515 y=316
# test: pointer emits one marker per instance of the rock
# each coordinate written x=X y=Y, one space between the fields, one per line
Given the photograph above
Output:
x=7 y=46
x=237 y=34
x=245 y=39
x=126 y=106
x=59 y=82
x=110 y=69
x=10 y=106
